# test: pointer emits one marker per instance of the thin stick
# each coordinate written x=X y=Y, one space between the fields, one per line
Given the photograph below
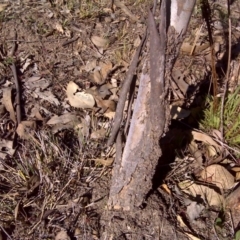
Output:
x=132 y=88
x=228 y=70
x=124 y=91
x=14 y=71
x=70 y=41
x=5 y=232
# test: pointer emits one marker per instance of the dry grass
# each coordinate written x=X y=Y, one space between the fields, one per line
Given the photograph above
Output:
x=44 y=182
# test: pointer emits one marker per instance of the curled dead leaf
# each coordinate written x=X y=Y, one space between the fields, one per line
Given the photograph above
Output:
x=105 y=69
x=79 y=99
x=109 y=115
x=178 y=112
x=6 y=148
x=219 y=176
x=25 y=128
x=98 y=134
x=210 y=195
x=194 y=209
x=202 y=137
x=7 y=102
x=62 y=235
x=106 y=105
x=105 y=162
x=233 y=201
x=90 y=65
x=96 y=76
x=65 y=118
x=193 y=147
x=3 y=6
x=100 y=41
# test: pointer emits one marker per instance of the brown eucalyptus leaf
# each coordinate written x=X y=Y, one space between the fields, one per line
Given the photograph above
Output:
x=106 y=105
x=62 y=235
x=219 y=176
x=98 y=134
x=25 y=129
x=7 y=102
x=65 y=118
x=100 y=41
x=79 y=99
x=210 y=195
x=105 y=69
x=104 y=162
x=97 y=78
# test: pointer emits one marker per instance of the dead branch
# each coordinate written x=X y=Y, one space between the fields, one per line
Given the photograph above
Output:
x=18 y=93
x=124 y=92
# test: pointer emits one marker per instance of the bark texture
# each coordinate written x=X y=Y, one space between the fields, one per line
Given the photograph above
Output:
x=133 y=172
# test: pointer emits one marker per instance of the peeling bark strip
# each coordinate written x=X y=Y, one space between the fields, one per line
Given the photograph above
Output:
x=157 y=64
x=126 y=186
x=124 y=92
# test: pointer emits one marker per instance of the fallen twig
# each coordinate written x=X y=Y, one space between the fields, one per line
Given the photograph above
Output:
x=125 y=10
x=15 y=77
x=70 y=41
x=123 y=93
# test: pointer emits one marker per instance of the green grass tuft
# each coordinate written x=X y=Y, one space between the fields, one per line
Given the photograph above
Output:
x=231 y=117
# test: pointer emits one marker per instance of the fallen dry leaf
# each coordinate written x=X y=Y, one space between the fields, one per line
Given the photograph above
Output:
x=6 y=148
x=79 y=99
x=137 y=42
x=3 y=6
x=192 y=237
x=219 y=176
x=90 y=65
x=105 y=162
x=100 y=41
x=7 y=102
x=109 y=115
x=237 y=177
x=46 y=95
x=202 y=137
x=181 y=222
x=96 y=77
x=60 y=126
x=194 y=209
x=207 y=193
x=235 y=169
x=98 y=134
x=24 y=129
x=106 y=105
x=58 y=27
x=35 y=113
x=65 y=118
x=233 y=201
x=178 y=112
x=37 y=82
x=193 y=147
x=26 y=65
x=105 y=69
x=166 y=188
x=62 y=235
